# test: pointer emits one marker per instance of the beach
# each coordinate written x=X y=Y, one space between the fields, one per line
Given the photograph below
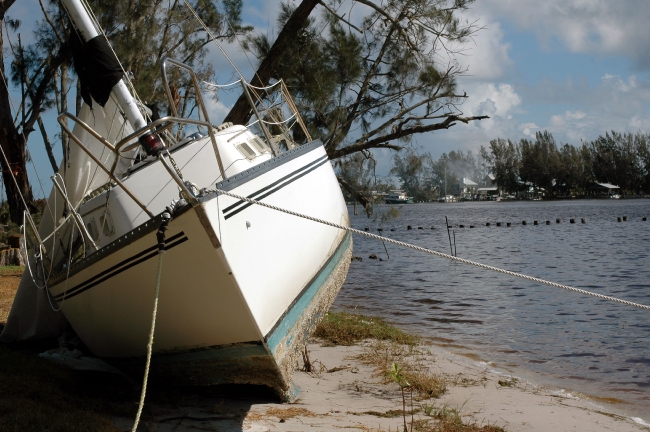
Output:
x=347 y=388
x=345 y=393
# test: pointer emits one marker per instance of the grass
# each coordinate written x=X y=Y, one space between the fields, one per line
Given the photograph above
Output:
x=9 y=280
x=343 y=328
x=446 y=419
x=412 y=362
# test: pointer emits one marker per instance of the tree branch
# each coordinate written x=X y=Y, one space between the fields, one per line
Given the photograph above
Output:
x=322 y=3
x=240 y=112
x=357 y=196
x=380 y=142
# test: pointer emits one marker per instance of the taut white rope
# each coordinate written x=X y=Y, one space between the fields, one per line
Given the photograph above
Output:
x=149 y=345
x=432 y=252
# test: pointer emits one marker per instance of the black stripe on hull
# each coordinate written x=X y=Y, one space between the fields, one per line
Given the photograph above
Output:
x=272 y=191
x=124 y=265
x=252 y=196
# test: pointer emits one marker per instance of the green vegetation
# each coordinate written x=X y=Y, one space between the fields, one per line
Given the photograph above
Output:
x=530 y=166
x=446 y=419
x=12 y=270
x=342 y=328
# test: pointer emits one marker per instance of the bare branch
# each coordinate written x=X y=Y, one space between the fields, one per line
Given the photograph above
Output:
x=322 y=3
x=380 y=142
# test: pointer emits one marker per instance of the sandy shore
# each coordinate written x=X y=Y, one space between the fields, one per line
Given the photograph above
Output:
x=348 y=394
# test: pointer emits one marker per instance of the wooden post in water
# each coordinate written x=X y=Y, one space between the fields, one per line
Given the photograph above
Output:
x=356 y=211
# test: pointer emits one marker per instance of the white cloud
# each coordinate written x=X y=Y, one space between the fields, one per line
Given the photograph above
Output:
x=529 y=129
x=486 y=57
x=583 y=26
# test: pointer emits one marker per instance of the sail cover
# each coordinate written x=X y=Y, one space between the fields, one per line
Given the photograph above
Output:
x=33 y=314
x=97 y=68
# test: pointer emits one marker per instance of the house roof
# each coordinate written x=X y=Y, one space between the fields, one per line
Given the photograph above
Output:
x=467 y=182
x=604 y=186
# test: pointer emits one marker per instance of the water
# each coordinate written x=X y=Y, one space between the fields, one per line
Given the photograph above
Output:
x=554 y=336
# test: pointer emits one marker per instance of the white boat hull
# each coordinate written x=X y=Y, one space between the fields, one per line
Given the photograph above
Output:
x=241 y=288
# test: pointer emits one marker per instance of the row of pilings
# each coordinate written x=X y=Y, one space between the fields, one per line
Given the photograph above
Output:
x=509 y=224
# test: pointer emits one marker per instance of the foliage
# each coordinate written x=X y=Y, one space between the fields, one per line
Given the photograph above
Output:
x=142 y=32
x=372 y=83
x=392 y=78
x=426 y=179
x=342 y=328
x=358 y=170
x=617 y=158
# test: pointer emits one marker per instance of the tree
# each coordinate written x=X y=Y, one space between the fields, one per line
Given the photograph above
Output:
x=36 y=86
x=409 y=168
x=540 y=162
x=142 y=32
x=373 y=84
x=504 y=163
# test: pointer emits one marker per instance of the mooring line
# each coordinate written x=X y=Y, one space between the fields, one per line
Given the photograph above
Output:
x=432 y=252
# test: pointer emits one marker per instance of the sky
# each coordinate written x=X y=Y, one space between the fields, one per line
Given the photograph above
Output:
x=576 y=68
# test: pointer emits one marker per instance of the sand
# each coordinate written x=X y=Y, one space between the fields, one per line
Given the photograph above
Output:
x=345 y=393
x=348 y=394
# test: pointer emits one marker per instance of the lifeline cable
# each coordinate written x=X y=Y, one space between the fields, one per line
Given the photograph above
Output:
x=432 y=252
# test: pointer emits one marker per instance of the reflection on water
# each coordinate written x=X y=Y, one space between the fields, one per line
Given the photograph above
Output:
x=588 y=344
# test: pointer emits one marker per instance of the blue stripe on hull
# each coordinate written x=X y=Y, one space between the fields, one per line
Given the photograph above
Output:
x=294 y=314
x=252 y=362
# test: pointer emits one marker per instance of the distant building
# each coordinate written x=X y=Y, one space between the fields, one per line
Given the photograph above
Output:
x=490 y=181
x=466 y=187
x=604 y=190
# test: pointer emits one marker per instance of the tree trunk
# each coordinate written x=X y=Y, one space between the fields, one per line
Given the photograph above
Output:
x=241 y=111
x=13 y=147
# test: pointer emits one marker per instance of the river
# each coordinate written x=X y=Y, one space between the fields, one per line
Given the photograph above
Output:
x=550 y=335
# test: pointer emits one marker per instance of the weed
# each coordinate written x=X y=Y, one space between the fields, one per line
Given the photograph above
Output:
x=289 y=413
x=508 y=382
x=396 y=373
x=382 y=355
x=342 y=328
x=9 y=280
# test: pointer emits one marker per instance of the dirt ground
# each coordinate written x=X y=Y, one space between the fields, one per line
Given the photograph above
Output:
x=9 y=280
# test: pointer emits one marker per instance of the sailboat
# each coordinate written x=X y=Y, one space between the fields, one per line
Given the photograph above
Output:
x=242 y=286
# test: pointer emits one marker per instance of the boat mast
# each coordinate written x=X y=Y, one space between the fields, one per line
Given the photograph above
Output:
x=125 y=100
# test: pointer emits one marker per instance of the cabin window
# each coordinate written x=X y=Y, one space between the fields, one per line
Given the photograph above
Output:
x=259 y=144
x=106 y=222
x=246 y=150
x=91 y=226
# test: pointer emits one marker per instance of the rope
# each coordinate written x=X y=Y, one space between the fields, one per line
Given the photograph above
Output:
x=432 y=252
x=149 y=346
x=160 y=236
